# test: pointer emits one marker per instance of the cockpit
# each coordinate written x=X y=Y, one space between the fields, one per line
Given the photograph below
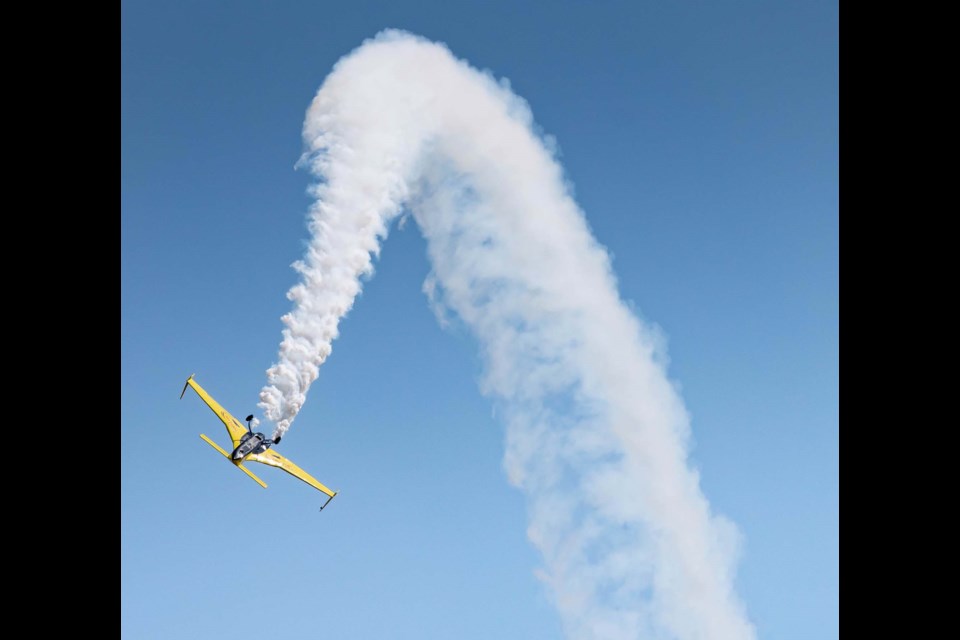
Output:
x=251 y=443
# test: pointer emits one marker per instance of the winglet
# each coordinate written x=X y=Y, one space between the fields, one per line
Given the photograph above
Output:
x=186 y=384
x=329 y=499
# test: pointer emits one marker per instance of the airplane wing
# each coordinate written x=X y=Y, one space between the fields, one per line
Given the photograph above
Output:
x=274 y=459
x=234 y=427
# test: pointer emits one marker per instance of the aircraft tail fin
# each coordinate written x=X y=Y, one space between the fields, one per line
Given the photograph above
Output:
x=239 y=466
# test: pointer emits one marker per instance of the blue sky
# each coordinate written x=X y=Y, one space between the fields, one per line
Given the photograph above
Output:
x=702 y=143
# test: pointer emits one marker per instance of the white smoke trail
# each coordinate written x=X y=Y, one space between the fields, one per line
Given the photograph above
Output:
x=596 y=434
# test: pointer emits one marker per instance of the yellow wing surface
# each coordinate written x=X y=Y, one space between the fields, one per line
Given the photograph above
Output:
x=274 y=459
x=234 y=427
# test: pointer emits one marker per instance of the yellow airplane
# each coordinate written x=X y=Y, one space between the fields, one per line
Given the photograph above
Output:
x=250 y=446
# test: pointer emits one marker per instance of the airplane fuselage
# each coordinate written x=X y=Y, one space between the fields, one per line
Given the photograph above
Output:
x=251 y=443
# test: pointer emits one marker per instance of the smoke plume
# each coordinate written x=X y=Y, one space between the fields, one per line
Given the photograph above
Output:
x=597 y=436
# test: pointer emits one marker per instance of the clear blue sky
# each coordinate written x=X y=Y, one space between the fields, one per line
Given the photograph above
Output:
x=702 y=141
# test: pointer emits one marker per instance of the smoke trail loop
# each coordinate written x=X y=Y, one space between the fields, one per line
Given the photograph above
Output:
x=596 y=435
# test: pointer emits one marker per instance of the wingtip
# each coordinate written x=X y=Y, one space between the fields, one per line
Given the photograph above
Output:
x=186 y=384
x=328 y=500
